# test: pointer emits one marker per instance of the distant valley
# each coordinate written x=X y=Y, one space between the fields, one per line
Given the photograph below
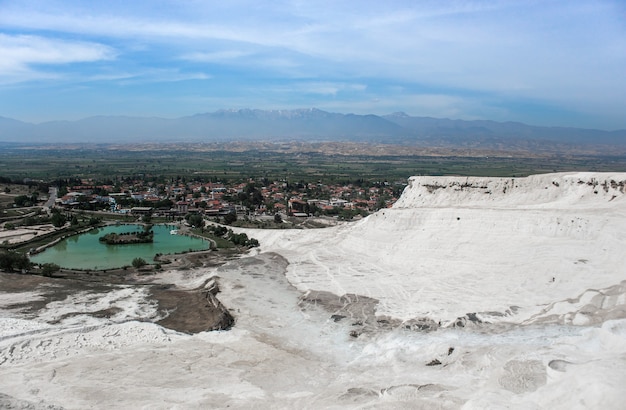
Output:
x=313 y=125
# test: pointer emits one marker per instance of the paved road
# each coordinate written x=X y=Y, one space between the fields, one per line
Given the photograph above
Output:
x=53 y=196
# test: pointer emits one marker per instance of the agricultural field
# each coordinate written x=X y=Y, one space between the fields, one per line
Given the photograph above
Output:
x=297 y=162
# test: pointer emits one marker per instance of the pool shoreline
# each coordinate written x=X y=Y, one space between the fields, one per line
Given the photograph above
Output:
x=85 y=253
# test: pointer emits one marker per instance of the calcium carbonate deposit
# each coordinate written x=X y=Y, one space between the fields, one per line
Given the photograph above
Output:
x=469 y=293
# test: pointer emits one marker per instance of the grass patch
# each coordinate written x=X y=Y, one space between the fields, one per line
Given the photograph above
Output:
x=219 y=242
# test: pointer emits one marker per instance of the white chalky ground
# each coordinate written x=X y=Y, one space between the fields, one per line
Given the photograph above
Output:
x=539 y=260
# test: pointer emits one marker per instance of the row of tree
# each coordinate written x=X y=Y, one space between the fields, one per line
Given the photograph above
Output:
x=239 y=239
x=26 y=200
x=14 y=261
x=11 y=261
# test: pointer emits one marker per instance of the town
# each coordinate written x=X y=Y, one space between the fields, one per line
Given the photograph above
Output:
x=36 y=214
x=225 y=201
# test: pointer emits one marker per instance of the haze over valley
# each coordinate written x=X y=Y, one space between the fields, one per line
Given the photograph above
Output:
x=312 y=125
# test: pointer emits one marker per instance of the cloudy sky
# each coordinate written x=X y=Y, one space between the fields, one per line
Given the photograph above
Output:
x=542 y=62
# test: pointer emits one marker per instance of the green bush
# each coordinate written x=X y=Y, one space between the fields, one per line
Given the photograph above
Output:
x=49 y=268
x=139 y=262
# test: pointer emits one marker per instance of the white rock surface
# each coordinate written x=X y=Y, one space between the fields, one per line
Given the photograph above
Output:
x=452 y=246
x=549 y=245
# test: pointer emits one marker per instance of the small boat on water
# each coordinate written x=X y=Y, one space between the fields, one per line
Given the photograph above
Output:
x=174 y=232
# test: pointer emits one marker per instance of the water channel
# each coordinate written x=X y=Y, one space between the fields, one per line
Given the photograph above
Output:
x=85 y=251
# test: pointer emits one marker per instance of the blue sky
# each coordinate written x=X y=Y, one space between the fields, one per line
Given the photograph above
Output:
x=541 y=62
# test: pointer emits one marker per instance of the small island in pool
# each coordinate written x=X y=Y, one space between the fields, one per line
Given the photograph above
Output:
x=125 y=238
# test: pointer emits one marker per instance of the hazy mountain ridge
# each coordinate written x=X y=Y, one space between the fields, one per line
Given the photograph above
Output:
x=458 y=129
x=304 y=124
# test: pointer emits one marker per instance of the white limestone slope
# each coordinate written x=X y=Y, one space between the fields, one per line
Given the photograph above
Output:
x=457 y=245
x=445 y=249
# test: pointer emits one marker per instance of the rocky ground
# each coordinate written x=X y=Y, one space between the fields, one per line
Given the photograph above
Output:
x=184 y=310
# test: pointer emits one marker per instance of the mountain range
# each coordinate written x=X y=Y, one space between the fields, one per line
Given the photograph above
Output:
x=305 y=125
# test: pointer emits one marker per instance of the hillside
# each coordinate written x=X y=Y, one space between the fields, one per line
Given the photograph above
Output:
x=504 y=248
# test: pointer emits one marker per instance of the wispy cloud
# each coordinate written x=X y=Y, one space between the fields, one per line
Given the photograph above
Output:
x=163 y=75
x=144 y=77
x=306 y=89
x=215 y=57
x=22 y=55
x=568 y=54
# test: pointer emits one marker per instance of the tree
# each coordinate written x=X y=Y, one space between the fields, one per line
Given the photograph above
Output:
x=49 y=268
x=219 y=230
x=29 y=221
x=312 y=209
x=22 y=200
x=21 y=262
x=239 y=239
x=380 y=204
x=139 y=262
x=94 y=221
x=58 y=219
x=230 y=217
x=195 y=220
x=10 y=261
x=163 y=203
